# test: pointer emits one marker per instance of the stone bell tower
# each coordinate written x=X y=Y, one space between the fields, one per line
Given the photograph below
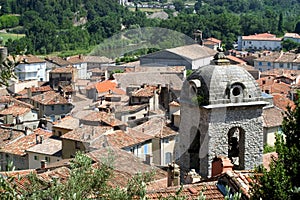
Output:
x=221 y=112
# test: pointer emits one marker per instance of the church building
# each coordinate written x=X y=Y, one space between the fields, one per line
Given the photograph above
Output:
x=221 y=111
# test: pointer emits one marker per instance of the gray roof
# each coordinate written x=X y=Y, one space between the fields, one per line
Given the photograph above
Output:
x=151 y=78
x=68 y=123
x=193 y=51
x=48 y=147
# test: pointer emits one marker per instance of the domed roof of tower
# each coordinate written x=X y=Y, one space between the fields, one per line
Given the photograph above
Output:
x=220 y=83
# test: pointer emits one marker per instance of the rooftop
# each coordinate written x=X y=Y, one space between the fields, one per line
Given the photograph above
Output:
x=86 y=133
x=107 y=118
x=193 y=51
x=147 y=91
x=190 y=191
x=50 y=98
x=9 y=135
x=19 y=146
x=262 y=36
x=272 y=117
x=148 y=78
x=125 y=165
x=48 y=147
x=28 y=59
x=15 y=110
x=68 y=122
x=58 y=61
x=120 y=139
x=64 y=70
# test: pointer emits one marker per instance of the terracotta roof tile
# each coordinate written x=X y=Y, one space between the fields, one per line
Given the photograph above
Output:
x=106 y=86
x=86 y=133
x=125 y=165
x=58 y=60
x=24 y=59
x=282 y=102
x=64 y=70
x=191 y=191
x=107 y=118
x=9 y=135
x=67 y=122
x=262 y=36
x=19 y=146
x=50 y=98
x=147 y=91
x=15 y=110
x=272 y=117
x=48 y=146
x=210 y=41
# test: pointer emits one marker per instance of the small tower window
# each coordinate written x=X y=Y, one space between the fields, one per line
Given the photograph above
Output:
x=236 y=91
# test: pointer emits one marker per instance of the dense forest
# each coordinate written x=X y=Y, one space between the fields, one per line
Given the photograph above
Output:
x=76 y=25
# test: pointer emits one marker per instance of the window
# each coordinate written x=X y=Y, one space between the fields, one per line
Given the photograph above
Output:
x=166 y=140
x=281 y=65
x=59 y=133
x=260 y=63
x=63 y=107
x=47 y=159
x=298 y=67
x=132 y=118
x=263 y=82
x=269 y=64
x=36 y=158
x=288 y=65
x=236 y=91
x=77 y=145
x=52 y=107
x=146 y=149
x=168 y=157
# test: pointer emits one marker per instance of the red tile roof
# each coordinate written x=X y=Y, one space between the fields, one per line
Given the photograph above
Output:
x=50 y=98
x=273 y=85
x=272 y=117
x=191 y=191
x=262 y=36
x=24 y=93
x=236 y=60
x=147 y=91
x=106 y=86
x=63 y=70
x=28 y=59
x=7 y=136
x=211 y=41
x=107 y=118
x=18 y=147
x=15 y=110
x=282 y=102
x=86 y=133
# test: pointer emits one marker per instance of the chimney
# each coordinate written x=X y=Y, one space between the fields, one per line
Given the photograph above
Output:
x=29 y=93
x=43 y=164
x=173 y=175
x=11 y=134
x=221 y=165
x=36 y=138
x=192 y=177
x=41 y=139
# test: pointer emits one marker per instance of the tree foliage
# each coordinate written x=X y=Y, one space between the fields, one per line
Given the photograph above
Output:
x=85 y=181
x=282 y=181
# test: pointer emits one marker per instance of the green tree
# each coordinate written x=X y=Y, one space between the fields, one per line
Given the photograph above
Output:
x=282 y=181
x=179 y=5
x=289 y=44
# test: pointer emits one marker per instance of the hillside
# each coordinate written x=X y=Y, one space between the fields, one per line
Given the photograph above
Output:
x=79 y=25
